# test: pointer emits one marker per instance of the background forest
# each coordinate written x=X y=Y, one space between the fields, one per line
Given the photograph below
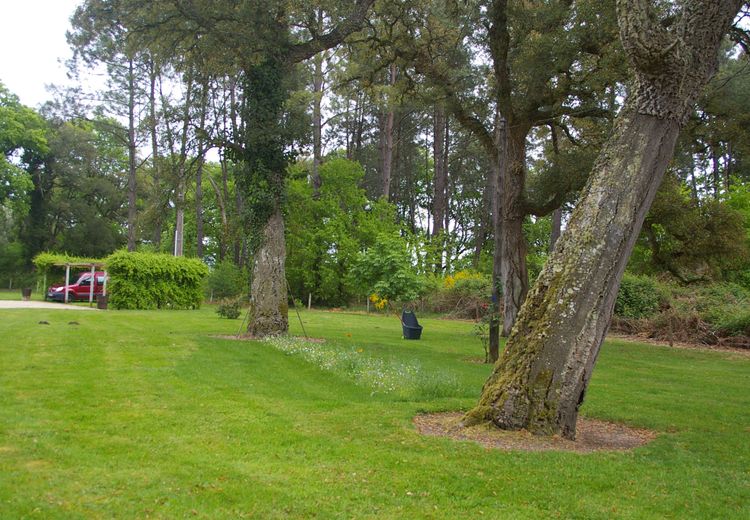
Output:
x=389 y=192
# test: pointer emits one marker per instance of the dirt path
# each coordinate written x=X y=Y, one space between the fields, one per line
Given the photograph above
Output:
x=19 y=304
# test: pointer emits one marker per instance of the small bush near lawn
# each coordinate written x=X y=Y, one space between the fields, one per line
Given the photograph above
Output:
x=465 y=294
x=155 y=281
x=226 y=280
x=230 y=308
x=639 y=297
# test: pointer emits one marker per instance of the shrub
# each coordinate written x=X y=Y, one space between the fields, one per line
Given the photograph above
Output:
x=226 y=280
x=639 y=297
x=465 y=294
x=230 y=308
x=735 y=324
x=154 y=281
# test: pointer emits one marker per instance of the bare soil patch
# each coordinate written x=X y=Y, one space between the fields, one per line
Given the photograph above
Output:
x=591 y=435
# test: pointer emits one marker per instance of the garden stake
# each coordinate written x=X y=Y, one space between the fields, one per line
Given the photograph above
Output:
x=289 y=290
x=242 y=325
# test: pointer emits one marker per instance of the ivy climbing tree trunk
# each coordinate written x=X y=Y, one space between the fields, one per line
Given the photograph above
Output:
x=540 y=381
x=265 y=88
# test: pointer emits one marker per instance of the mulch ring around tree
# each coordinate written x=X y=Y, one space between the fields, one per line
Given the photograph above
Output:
x=591 y=435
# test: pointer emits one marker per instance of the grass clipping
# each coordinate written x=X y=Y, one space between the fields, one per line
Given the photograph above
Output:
x=591 y=435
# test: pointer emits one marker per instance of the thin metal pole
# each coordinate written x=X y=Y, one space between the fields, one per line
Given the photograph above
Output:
x=242 y=325
x=289 y=290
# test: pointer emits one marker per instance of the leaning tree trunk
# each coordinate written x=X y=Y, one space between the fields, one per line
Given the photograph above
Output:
x=540 y=381
x=268 y=306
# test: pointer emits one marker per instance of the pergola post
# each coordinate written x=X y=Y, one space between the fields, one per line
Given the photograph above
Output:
x=91 y=284
x=67 y=281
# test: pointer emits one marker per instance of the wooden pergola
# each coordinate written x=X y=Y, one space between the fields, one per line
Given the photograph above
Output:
x=91 y=265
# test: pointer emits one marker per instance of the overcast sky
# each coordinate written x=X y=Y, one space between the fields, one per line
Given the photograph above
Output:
x=32 y=44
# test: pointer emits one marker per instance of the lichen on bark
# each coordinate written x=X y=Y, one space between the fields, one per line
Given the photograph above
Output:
x=541 y=378
x=268 y=305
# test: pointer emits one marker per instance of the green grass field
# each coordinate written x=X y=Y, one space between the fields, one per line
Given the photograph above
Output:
x=149 y=415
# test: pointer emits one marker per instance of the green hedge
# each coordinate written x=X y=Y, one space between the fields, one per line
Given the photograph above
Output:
x=154 y=281
x=46 y=261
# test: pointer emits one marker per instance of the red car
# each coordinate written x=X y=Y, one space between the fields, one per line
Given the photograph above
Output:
x=80 y=290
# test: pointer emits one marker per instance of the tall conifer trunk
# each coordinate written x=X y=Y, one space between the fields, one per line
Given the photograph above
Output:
x=132 y=151
x=387 y=140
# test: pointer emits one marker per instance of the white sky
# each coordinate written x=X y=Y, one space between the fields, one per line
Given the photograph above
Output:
x=32 y=46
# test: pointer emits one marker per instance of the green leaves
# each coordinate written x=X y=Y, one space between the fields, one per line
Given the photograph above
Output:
x=638 y=297
x=326 y=235
x=155 y=281
x=386 y=269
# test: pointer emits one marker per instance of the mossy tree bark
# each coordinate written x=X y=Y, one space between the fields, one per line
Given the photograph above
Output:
x=268 y=307
x=541 y=378
x=266 y=86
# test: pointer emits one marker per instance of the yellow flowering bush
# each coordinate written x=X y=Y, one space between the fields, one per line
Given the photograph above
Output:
x=379 y=302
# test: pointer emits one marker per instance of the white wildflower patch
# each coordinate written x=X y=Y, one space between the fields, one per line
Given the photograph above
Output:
x=406 y=379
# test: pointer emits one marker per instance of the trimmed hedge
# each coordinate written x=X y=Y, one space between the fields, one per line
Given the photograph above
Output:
x=154 y=281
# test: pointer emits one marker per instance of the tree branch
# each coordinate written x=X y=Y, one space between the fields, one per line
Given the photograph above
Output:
x=302 y=51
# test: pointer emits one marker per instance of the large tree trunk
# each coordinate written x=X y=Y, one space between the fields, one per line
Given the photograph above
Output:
x=499 y=164
x=513 y=249
x=268 y=306
x=540 y=381
x=266 y=89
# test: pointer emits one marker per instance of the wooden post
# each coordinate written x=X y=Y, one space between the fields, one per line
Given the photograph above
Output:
x=104 y=289
x=67 y=282
x=309 y=301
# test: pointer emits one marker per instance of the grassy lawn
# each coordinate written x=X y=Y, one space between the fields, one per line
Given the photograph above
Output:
x=147 y=414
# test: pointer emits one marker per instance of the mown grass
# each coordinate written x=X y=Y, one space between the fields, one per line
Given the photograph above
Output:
x=148 y=414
